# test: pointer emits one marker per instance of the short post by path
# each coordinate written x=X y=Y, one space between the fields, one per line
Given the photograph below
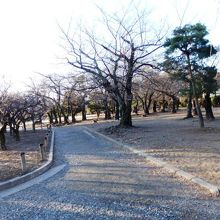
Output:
x=41 y=149
x=45 y=143
x=23 y=162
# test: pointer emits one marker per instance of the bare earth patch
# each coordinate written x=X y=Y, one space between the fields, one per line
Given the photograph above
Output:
x=180 y=142
x=10 y=162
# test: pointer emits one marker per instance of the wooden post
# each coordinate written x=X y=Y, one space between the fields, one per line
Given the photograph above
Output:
x=49 y=128
x=23 y=162
x=45 y=143
x=41 y=148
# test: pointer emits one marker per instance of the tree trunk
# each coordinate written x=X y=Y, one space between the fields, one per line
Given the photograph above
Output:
x=11 y=129
x=125 y=120
x=65 y=116
x=117 y=111
x=2 y=138
x=16 y=133
x=189 y=106
x=136 y=107
x=164 y=105
x=107 y=110
x=208 y=107
x=83 y=107
x=50 y=115
x=107 y=114
x=59 y=117
x=174 y=104
x=201 y=120
x=155 y=106
x=55 y=116
x=194 y=108
x=24 y=126
x=33 y=126
x=146 y=111
x=73 y=114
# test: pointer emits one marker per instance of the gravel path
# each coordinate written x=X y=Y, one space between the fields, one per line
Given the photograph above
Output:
x=102 y=181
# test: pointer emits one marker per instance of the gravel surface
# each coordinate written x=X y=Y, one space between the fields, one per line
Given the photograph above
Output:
x=102 y=181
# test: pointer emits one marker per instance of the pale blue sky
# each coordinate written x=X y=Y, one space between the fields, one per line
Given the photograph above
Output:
x=30 y=37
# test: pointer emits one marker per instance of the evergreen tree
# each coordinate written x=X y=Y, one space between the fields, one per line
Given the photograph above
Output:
x=189 y=45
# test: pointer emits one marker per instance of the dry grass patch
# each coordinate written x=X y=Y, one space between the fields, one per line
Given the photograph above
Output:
x=180 y=142
x=10 y=162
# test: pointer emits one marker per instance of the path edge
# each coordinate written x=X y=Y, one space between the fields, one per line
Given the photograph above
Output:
x=26 y=177
x=213 y=189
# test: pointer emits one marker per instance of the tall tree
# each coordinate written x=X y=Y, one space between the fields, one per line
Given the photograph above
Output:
x=189 y=41
x=112 y=58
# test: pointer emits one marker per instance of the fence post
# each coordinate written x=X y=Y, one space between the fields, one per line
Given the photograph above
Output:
x=23 y=162
x=41 y=148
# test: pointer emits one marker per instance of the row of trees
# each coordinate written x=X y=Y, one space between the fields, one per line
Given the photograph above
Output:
x=114 y=63
x=16 y=110
x=117 y=72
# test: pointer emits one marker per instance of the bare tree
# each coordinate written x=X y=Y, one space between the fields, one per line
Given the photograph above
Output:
x=115 y=57
x=144 y=92
x=167 y=87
